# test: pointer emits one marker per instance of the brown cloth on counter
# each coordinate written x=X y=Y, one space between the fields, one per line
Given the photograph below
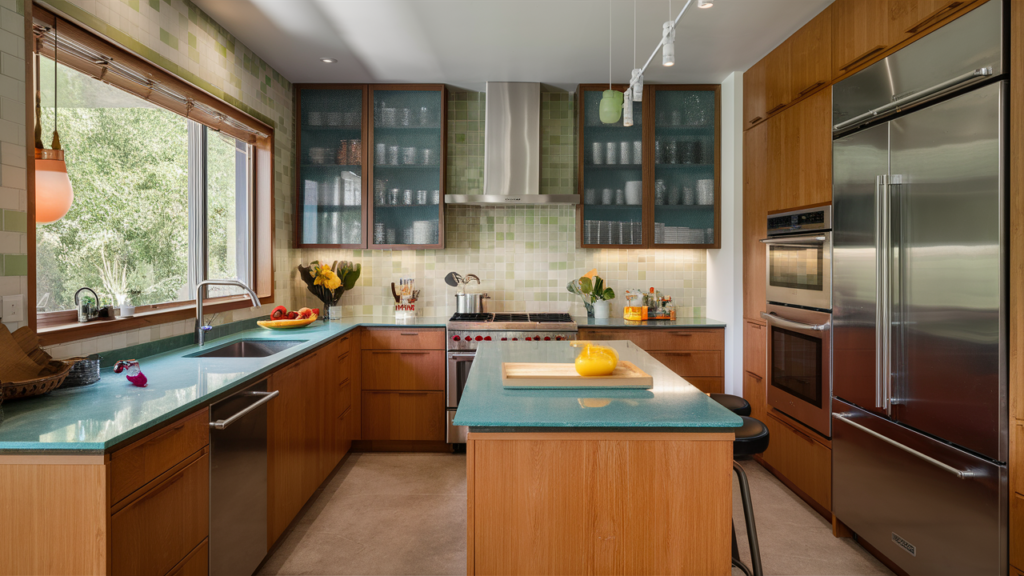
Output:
x=15 y=364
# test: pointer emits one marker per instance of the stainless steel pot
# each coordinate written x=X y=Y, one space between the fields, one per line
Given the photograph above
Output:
x=470 y=303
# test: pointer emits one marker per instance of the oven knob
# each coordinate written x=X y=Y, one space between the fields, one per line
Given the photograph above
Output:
x=547 y=338
x=456 y=338
x=558 y=338
x=536 y=338
x=515 y=339
x=487 y=338
x=504 y=339
x=479 y=338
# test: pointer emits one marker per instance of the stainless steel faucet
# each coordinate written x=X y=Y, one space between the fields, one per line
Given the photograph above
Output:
x=202 y=329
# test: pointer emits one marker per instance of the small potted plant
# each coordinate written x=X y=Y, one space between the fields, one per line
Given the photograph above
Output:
x=595 y=295
x=329 y=282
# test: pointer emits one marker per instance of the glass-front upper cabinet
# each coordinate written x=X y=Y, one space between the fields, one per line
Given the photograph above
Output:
x=331 y=147
x=611 y=174
x=686 y=168
x=408 y=166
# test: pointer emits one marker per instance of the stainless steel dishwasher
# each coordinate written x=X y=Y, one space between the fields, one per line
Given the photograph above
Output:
x=238 y=481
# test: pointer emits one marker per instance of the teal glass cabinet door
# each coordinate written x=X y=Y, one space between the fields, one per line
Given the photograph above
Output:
x=686 y=169
x=330 y=188
x=611 y=175
x=408 y=166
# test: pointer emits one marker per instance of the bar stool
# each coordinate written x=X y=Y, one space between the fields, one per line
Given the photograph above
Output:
x=751 y=438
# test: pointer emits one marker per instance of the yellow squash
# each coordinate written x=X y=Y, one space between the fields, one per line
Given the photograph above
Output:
x=596 y=360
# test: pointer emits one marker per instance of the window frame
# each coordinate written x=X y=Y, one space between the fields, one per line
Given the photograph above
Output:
x=60 y=327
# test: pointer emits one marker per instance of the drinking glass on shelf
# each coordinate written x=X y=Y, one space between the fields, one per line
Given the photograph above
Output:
x=435 y=197
x=407 y=236
x=392 y=236
x=380 y=156
x=689 y=197
x=610 y=150
x=393 y=155
x=421 y=197
x=378 y=233
x=607 y=196
x=620 y=197
x=380 y=193
x=388 y=116
x=624 y=150
x=393 y=196
x=672 y=152
x=638 y=156
x=674 y=195
x=590 y=196
x=407 y=198
x=660 y=192
x=405 y=116
x=409 y=155
x=597 y=153
x=427 y=157
x=424 y=116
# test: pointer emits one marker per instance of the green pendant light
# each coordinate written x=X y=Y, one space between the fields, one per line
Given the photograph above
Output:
x=611 y=101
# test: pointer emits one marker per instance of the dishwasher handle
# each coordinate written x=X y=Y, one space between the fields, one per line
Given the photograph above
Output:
x=267 y=397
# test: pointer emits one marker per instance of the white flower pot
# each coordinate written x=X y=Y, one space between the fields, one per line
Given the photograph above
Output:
x=602 y=308
x=126 y=311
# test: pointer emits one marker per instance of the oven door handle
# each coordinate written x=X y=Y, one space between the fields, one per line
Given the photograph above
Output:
x=775 y=320
x=795 y=240
x=461 y=354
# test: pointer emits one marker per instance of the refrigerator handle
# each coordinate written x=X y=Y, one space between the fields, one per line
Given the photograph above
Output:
x=881 y=292
x=886 y=296
x=961 y=474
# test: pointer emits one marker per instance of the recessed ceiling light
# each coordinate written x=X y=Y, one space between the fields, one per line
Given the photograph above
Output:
x=328 y=60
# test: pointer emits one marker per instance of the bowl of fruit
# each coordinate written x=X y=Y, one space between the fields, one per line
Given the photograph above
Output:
x=282 y=319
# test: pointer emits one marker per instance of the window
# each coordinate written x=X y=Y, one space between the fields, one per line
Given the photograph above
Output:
x=161 y=202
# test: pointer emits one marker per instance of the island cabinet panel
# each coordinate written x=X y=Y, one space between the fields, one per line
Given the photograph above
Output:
x=403 y=370
x=403 y=416
x=152 y=533
x=692 y=363
x=569 y=504
x=54 y=517
x=293 y=432
x=135 y=465
x=803 y=458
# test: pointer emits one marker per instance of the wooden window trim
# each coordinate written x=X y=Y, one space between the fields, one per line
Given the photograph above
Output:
x=61 y=327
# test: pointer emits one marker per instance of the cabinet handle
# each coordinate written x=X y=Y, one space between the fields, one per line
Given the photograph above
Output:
x=755 y=120
x=408 y=333
x=863 y=57
x=810 y=88
x=776 y=109
x=937 y=15
x=799 y=433
x=681 y=333
x=413 y=353
x=678 y=353
x=158 y=489
x=344 y=382
x=414 y=393
x=754 y=375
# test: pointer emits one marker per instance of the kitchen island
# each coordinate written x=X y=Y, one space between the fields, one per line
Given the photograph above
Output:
x=573 y=481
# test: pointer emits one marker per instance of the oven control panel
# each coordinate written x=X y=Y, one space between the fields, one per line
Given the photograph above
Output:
x=470 y=339
x=809 y=219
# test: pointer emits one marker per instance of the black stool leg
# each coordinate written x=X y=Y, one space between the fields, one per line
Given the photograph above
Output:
x=736 y=554
x=748 y=517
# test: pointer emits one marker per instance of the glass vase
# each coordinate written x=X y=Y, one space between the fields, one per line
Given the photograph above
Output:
x=590 y=309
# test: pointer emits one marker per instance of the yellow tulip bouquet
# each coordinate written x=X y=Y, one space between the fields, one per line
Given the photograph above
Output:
x=329 y=282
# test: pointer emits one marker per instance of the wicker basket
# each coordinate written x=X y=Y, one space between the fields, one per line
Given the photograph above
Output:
x=51 y=377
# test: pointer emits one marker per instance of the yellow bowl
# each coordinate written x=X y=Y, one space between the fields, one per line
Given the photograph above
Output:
x=286 y=324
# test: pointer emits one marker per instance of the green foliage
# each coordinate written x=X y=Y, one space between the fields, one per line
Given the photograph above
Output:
x=348 y=273
x=590 y=290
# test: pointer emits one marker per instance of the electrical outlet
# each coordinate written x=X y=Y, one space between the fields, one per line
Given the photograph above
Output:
x=13 y=308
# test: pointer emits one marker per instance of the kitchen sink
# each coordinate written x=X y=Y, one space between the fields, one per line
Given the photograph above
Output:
x=248 y=349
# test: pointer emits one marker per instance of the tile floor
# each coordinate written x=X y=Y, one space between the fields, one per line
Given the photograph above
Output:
x=406 y=514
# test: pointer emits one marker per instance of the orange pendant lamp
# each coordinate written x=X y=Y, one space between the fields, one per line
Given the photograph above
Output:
x=54 y=194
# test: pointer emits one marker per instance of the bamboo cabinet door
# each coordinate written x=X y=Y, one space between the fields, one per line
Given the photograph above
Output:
x=778 y=89
x=755 y=216
x=800 y=154
x=859 y=33
x=754 y=109
x=330 y=188
x=909 y=18
x=687 y=188
x=811 y=56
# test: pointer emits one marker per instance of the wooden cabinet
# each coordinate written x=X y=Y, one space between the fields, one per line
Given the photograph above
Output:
x=197 y=563
x=657 y=183
x=403 y=370
x=800 y=154
x=755 y=344
x=754 y=108
x=777 y=85
x=338 y=390
x=403 y=416
x=696 y=354
x=293 y=431
x=860 y=33
x=402 y=383
x=151 y=534
x=802 y=457
x=909 y=18
x=1017 y=529
x=755 y=393
x=810 y=56
x=135 y=465
x=355 y=168
x=755 y=219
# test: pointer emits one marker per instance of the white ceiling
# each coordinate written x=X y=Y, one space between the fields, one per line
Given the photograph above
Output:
x=465 y=43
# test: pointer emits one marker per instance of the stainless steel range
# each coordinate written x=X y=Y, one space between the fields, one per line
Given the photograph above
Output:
x=467 y=331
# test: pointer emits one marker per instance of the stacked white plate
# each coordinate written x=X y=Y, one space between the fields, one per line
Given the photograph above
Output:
x=424 y=232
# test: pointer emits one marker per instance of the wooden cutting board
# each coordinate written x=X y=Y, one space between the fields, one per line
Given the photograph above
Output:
x=537 y=375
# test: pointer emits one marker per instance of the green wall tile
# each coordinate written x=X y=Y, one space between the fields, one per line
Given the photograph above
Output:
x=15 y=265
x=14 y=221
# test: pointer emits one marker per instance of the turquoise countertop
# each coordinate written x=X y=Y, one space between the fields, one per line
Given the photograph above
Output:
x=96 y=418
x=672 y=403
x=698 y=322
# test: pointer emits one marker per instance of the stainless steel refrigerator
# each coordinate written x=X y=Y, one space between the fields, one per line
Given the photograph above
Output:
x=919 y=366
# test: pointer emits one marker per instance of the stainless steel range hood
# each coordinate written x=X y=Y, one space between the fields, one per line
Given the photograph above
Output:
x=512 y=149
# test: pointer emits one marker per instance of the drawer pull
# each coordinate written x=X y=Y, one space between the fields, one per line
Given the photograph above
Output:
x=776 y=109
x=156 y=491
x=682 y=333
x=863 y=57
x=810 y=88
x=939 y=14
x=413 y=353
x=679 y=353
x=759 y=378
x=408 y=333
x=345 y=382
x=755 y=120
x=413 y=393
x=961 y=474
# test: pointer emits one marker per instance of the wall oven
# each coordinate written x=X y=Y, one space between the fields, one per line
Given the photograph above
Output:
x=799 y=364
x=799 y=264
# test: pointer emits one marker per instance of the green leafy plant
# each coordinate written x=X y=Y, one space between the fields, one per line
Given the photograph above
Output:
x=590 y=290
